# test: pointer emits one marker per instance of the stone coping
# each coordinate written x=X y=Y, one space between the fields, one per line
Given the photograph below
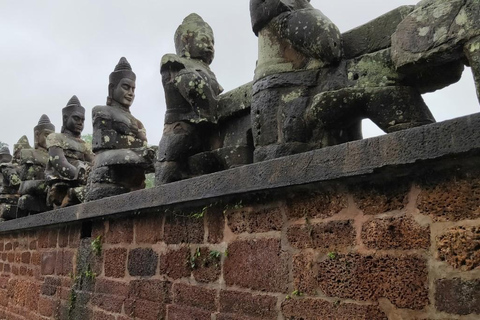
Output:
x=450 y=138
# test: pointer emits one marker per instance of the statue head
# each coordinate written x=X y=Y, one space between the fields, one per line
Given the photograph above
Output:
x=263 y=11
x=73 y=116
x=21 y=144
x=194 y=39
x=5 y=155
x=41 y=132
x=121 y=86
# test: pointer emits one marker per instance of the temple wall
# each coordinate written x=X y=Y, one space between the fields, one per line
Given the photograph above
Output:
x=383 y=228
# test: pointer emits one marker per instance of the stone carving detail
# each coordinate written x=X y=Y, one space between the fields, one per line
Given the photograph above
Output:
x=435 y=40
x=69 y=160
x=306 y=95
x=32 y=164
x=9 y=183
x=191 y=93
x=119 y=140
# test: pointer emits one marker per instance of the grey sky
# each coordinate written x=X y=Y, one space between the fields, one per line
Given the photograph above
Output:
x=53 y=49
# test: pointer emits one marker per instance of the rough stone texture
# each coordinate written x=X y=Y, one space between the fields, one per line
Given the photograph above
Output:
x=304 y=273
x=458 y=296
x=333 y=236
x=402 y=280
x=375 y=199
x=322 y=205
x=194 y=296
x=115 y=262
x=460 y=247
x=206 y=265
x=182 y=313
x=401 y=233
x=149 y=229
x=257 y=264
x=309 y=309
x=451 y=199
x=253 y=220
x=119 y=231
x=215 y=223
x=176 y=263
x=246 y=304
x=147 y=299
x=142 y=262
x=183 y=229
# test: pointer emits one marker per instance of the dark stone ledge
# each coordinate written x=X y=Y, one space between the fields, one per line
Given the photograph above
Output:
x=401 y=151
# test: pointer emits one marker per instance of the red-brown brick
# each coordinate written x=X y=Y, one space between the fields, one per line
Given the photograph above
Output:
x=195 y=296
x=333 y=235
x=115 y=262
x=246 y=304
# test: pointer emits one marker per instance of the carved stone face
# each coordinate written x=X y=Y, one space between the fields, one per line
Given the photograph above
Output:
x=74 y=122
x=200 y=47
x=124 y=92
x=41 y=138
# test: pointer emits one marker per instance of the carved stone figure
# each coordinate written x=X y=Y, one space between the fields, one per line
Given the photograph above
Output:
x=33 y=161
x=9 y=183
x=306 y=95
x=69 y=160
x=191 y=93
x=435 y=40
x=119 y=140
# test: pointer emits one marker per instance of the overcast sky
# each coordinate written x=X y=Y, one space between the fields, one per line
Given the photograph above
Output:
x=53 y=49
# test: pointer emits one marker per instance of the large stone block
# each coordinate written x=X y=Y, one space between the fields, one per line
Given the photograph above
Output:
x=183 y=229
x=115 y=262
x=195 y=296
x=322 y=205
x=459 y=247
x=253 y=220
x=333 y=236
x=458 y=296
x=176 y=312
x=142 y=262
x=248 y=305
x=119 y=231
x=380 y=198
x=206 y=265
x=148 y=228
x=176 y=263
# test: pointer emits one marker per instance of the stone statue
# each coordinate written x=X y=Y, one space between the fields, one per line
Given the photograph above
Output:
x=191 y=93
x=9 y=183
x=308 y=95
x=432 y=44
x=33 y=161
x=69 y=160
x=119 y=140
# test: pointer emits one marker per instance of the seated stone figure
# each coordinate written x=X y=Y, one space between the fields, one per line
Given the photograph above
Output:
x=9 y=183
x=119 y=140
x=69 y=160
x=32 y=162
x=191 y=93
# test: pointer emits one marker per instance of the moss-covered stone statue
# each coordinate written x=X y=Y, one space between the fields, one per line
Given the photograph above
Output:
x=32 y=162
x=9 y=183
x=119 y=140
x=310 y=92
x=69 y=160
x=191 y=93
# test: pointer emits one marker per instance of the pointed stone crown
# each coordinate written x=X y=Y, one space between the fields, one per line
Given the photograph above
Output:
x=22 y=143
x=73 y=105
x=123 y=69
x=5 y=151
x=44 y=123
x=192 y=24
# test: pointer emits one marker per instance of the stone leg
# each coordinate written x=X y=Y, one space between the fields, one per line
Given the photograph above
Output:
x=472 y=52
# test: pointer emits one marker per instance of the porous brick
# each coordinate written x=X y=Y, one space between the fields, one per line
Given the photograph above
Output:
x=148 y=229
x=108 y=302
x=304 y=273
x=457 y=296
x=63 y=234
x=47 y=306
x=206 y=265
x=195 y=296
x=26 y=257
x=115 y=262
x=255 y=220
x=151 y=290
x=176 y=263
x=106 y=286
x=402 y=280
x=307 y=309
x=450 y=199
x=176 y=312
x=333 y=235
x=215 y=224
x=64 y=263
x=119 y=231
x=247 y=304
x=257 y=264
x=376 y=198
x=142 y=262
x=460 y=247
x=322 y=205
x=48 y=263
x=395 y=233
x=99 y=315
x=144 y=309
x=183 y=229
x=74 y=236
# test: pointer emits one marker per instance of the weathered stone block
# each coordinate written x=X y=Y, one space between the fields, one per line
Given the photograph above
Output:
x=401 y=233
x=115 y=262
x=148 y=229
x=151 y=290
x=247 y=304
x=176 y=263
x=48 y=263
x=142 y=262
x=376 y=199
x=215 y=224
x=257 y=264
x=179 y=229
x=253 y=220
x=47 y=238
x=334 y=235
x=119 y=231
x=106 y=286
x=194 y=296
x=144 y=309
x=320 y=206
x=459 y=247
x=458 y=296
x=320 y=309
x=64 y=263
x=304 y=273
x=175 y=312
x=206 y=265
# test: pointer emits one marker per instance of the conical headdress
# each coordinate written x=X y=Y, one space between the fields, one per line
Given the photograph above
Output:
x=192 y=24
x=22 y=143
x=73 y=105
x=122 y=70
x=44 y=123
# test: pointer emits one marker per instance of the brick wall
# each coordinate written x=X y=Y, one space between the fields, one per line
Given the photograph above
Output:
x=385 y=228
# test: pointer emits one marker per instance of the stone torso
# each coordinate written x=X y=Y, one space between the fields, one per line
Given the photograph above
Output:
x=33 y=163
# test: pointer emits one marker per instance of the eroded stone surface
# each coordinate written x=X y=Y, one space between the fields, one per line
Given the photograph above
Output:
x=457 y=296
x=459 y=247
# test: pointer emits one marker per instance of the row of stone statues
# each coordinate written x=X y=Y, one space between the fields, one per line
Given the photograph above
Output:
x=311 y=89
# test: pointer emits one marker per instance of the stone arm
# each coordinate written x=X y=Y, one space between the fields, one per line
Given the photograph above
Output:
x=61 y=164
